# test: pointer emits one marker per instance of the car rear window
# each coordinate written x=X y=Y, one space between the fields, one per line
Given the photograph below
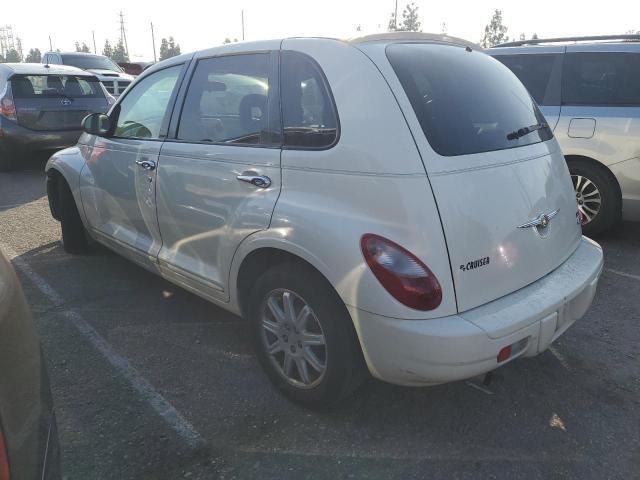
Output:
x=41 y=86
x=601 y=78
x=466 y=102
x=88 y=62
x=534 y=71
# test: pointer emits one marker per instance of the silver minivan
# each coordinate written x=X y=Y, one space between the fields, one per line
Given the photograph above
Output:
x=588 y=90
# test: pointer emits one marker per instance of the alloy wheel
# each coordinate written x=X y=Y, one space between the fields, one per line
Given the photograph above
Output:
x=588 y=197
x=293 y=338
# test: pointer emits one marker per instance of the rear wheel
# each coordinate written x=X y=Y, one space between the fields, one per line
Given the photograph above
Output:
x=597 y=195
x=304 y=337
x=74 y=235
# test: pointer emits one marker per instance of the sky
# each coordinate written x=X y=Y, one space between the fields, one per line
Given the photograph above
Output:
x=196 y=24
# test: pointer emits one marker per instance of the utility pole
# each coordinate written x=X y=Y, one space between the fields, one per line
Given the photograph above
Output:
x=123 y=34
x=153 y=41
x=93 y=33
x=50 y=44
x=242 y=13
x=395 y=17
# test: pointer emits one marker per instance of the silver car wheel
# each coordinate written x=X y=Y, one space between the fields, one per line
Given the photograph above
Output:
x=293 y=338
x=588 y=197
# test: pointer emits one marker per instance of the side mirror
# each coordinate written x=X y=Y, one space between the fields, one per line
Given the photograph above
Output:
x=97 y=124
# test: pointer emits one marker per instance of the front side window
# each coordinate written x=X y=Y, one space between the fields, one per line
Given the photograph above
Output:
x=601 y=78
x=142 y=111
x=40 y=86
x=534 y=71
x=228 y=101
x=466 y=102
x=309 y=115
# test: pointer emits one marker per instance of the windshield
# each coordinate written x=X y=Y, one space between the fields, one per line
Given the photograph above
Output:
x=88 y=62
x=466 y=102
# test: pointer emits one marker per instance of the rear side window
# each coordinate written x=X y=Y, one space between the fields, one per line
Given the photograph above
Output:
x=466 y=102
x=601 y=78
x=41 y=86
x=309 y=114
x=534 y=71
x=228 y=101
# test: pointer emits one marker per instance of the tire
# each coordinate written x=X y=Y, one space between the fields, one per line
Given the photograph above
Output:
x=592 y=181
x=74 y=235
x=341 y=356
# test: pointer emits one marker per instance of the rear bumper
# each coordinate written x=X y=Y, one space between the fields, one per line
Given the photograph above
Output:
x=428 y=352
x=15 y=139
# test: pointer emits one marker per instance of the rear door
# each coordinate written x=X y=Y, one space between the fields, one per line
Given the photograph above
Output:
x=56 y=102
x=539 y=69
x=490 y=178
x=219 y=176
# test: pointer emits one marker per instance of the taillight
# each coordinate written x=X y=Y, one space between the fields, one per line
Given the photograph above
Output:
x=7 y=106
x=4 y=460
x=401 y=273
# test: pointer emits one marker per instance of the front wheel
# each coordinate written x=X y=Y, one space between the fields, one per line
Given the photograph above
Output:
x=597 y=195
x=74 y=235
x=304 y=336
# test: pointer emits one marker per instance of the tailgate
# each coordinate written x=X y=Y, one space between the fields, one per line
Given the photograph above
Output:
x=481 y=213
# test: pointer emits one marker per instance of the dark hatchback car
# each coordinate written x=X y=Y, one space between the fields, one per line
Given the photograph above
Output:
x=29 y=448
x=42 y=107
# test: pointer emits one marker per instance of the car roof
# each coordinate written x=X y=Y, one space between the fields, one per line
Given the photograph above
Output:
x=630 y=40
x=10 y=69
x=253 y=46
x=86 y=54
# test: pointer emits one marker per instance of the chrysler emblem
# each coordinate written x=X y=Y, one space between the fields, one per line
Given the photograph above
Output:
x=544 y=221
x=540 y=223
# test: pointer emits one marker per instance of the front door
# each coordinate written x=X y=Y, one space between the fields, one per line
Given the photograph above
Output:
x=118 y=179
x=219 y=178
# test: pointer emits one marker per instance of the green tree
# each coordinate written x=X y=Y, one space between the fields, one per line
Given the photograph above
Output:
x=120 y=53
x=34 y=56
x=410 y=21
x=107 y=51
x=82 y=48
x=168 y=48
x=2 y=59
x=228 y=40
x=534 y=36
x=495 y=33
x=13 y=56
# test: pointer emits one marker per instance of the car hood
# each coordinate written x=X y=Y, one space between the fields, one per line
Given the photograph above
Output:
x=110 y=73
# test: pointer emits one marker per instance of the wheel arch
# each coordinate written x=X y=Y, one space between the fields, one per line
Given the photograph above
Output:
x=257 y=255
x=65 y=165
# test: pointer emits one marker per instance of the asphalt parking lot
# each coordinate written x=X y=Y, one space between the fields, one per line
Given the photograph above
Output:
x=152 y=382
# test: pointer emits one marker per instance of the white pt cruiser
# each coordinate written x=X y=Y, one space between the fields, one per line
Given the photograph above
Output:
x=396 y=203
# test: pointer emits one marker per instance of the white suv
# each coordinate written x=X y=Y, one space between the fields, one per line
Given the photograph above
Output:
x=396 y=201
x=113 y=78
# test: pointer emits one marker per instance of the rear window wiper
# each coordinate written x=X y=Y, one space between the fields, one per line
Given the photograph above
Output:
x=521 y=132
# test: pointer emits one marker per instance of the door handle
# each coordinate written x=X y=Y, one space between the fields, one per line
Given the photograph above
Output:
x=146 y=164
x=261 y=181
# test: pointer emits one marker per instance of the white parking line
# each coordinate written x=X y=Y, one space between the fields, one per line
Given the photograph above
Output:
x=623 y=274
x=160 y=404
x=560 y=357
